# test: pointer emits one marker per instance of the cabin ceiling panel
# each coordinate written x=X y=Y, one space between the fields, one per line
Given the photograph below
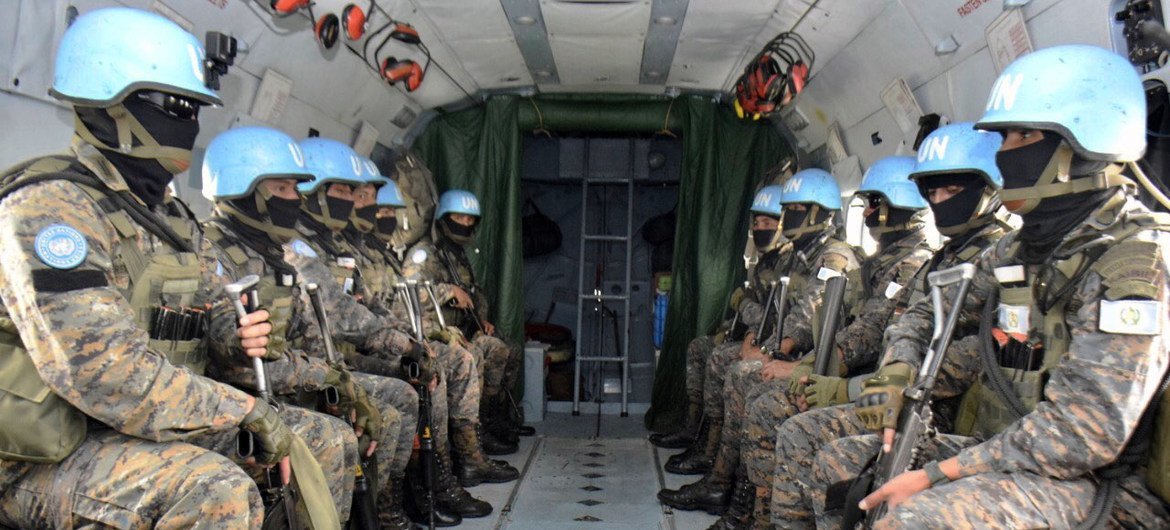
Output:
x=596 y=19
x=703 y=62
x=1076 y=22
x=960 y=93
x=465 y=20
x=604 y=60
x=494 y=62
x=888 y=48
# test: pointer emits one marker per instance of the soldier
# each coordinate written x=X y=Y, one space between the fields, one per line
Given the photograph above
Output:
x=807 y=202
x=747 y=303
x=961 y=184
x=708 y=358
x=251 y=175
x=1075 y=349
x=97 y=401
x=328 y=207
x=443 y=260
x=893 y=213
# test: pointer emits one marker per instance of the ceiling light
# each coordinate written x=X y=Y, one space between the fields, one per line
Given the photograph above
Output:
x=665 y=21
x=688 y=80
x=601 y=78
x=542 y=73
x=653 y=73
x=525 y=20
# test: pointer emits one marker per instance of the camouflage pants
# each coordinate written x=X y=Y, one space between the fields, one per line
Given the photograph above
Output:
x=715 y=375
x=697 y=352
x=335 y=448
x=113 y=480
x=499 y=363
x=797 y=441
x=742 y=377
x=460 y=369
x=989 y=500
x=767 y=407
x=398 y=403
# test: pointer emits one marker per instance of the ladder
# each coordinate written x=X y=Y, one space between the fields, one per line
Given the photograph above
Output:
x=596 y=297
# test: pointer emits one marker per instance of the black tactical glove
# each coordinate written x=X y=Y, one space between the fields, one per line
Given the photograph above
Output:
x=273 y=435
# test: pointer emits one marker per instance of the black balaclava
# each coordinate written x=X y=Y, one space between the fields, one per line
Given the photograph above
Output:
x=338 y=210
x=766 y=240
x=147 y=178
x=793 y=220
x=364 y=219
x=265 y=212
x=385 y=227
x=1052 y=218
x=887 y=233
x=459 y=234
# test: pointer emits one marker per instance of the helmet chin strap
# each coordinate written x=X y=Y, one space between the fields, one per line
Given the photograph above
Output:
x=805 y=228
x=1055 y=181
x=264 y=224
x=915 y=221
x=174 y=159
x=326 y=216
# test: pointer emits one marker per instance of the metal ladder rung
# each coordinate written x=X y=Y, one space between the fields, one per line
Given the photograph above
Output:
x=619 y=239
x=607 y=181
x=603 y=296
x=604 y=359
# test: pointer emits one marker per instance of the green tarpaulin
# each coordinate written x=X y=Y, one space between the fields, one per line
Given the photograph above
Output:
x=724 y=158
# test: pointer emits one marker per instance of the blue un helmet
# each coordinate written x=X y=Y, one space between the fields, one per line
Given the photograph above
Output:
x=235 y=163
x=109 y=53
x=889 y=177
x=816 y=189
x=330 y=161
x=238 y=159
x=958 y=154
x=1090 y=96
x=389 y=195
x=767 y=202
x=457 y=201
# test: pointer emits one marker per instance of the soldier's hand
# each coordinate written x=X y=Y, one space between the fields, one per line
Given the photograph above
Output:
x=881 y=397
x=776 y=369
x=736 y=298
x=896 y=491
x=462 y=299
x=823 y=390
x=750 y=352
x=797 y=381
x=367 y=419
x=489 y=328
x=253 y=333
x=346 y=394
x=272 y=434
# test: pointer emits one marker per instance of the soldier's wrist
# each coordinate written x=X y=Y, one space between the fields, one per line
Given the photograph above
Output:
x=934 y=474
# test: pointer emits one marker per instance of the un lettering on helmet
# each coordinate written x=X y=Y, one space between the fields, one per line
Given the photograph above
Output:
x=934 y=148
x=1003 y=94
x=793 y=185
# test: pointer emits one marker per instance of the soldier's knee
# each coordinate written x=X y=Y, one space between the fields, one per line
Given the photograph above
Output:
x=217 y=492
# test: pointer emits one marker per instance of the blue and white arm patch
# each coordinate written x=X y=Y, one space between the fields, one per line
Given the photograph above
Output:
x=60 y=246
x=303 y=249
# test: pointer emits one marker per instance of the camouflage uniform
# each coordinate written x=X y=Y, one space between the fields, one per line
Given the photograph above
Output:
x=787 y=469
x=879 y=279
x=1039 y=469
x=89 y=348
x=446 y=265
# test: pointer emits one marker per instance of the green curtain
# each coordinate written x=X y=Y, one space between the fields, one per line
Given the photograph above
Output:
x=724 y=157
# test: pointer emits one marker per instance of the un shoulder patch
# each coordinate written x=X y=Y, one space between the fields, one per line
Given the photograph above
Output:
x=418 y=256
x=303 y=249
x=61 y=246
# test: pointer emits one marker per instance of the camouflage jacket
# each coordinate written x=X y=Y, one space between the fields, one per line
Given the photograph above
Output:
x=808 y=270
x=351 y=321
x=69 y=306
x=760 y=275
x=1098 y=389
x=446 y=265
x=883 y=277
x=295 y=370
x=378 y=280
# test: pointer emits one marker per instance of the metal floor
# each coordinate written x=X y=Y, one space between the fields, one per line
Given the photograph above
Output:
x=572 y=478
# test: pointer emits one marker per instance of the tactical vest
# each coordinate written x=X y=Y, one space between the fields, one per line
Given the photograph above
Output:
x=1020 y=314
x=861 y=279
x=277 y=291
x=38 y=425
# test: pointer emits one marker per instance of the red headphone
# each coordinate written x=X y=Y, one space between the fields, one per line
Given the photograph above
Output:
x=404 y=32
x=353 y=20
x=328 y=29
x=286 y=7
x=406 y=70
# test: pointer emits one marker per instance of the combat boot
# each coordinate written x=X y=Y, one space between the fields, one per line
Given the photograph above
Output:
x=739 y=512
x=700 y=461
x=494 y=446
x=472 y=468
x=706 y=494
x=682 y=437
x=391 y=514
x=695 y=446
x=418 y=501
x=495 y=418
x=514 y=418
x=451 y=497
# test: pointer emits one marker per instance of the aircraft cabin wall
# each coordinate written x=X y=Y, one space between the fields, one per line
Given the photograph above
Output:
x=331 y=91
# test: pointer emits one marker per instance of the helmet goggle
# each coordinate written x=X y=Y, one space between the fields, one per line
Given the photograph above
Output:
x=180 y=107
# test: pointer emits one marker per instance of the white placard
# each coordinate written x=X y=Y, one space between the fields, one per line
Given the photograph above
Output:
x=366 y=138
x=1007 y=38
x=271 y=97
x=834 y=145
x=900 y=101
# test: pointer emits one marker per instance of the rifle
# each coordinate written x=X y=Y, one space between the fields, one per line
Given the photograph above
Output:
x=781 y=309
x=914 y=423
x=470 y=290
x=278 y=495
x=831 y=320
x=426 y=441
x=364 y=514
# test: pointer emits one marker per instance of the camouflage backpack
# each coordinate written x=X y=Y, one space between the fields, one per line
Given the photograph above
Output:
x=418 y=191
